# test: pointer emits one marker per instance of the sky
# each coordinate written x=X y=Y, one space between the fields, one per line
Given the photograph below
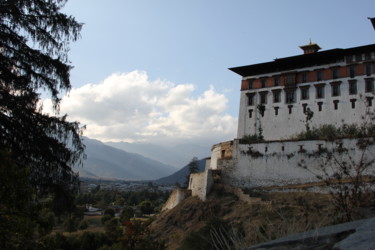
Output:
x=156 y=71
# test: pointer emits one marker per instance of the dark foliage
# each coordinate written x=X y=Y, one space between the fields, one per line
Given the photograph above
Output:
x=34 y=40
x=348 y=175
x=37 y=150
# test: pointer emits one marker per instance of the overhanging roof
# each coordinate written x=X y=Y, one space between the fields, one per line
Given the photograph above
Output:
x=300 y=61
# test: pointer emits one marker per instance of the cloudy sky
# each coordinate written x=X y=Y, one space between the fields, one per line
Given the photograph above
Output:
x=157 y=70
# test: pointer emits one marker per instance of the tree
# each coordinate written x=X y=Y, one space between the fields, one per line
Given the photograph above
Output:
x=113 y=229
x=146 y=207
x=348 y=174
x=16 y=206
x=193 y=165
x=36 y=147
x=126 y=214
x=34 y=41
x=70 y=224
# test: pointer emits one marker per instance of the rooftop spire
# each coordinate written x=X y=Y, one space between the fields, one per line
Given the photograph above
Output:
x=310 y=48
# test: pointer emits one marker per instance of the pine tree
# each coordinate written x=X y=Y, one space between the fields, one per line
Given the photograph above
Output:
x=34 y=44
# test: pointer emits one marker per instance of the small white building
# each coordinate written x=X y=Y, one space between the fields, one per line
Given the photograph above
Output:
x=336 y=85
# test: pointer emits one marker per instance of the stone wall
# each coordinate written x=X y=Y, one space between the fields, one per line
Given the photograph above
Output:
x=277 y=163
x=200 y=184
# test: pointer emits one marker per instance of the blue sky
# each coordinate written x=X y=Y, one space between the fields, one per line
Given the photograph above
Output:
x=157 y=70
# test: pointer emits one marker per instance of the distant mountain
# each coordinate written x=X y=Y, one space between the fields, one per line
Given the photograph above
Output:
x=108 y=162
x=178 y=155
x=180 y=175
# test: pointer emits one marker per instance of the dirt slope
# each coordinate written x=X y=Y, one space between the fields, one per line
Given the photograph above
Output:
x=280 y=214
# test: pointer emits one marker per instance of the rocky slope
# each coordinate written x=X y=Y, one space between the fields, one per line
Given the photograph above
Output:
x=242 y=224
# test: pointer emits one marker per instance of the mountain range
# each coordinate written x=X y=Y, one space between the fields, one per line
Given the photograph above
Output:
x=104 y=161
x=174 y=155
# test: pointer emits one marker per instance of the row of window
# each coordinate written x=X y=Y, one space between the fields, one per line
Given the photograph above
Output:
x=304 y=77
x=358 y=57
x=369 y=100
x=290 y=94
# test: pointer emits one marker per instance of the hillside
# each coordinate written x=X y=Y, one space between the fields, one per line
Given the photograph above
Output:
x=193 y=223
x=104 y=161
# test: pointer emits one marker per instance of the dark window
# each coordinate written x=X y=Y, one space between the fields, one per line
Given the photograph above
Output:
x=352 y=87
x=276 y=81
x=369 y=100
x=319 y=91
x=305 y=93
x=222 y=154
x=276 y=110
x=250 y=99
x=319 y=75
x=276 y=96
x=335 y=103
x=320 y=104
x=369 y=85
x=290 y=80
x=304 y=106
x=349 y=59
x=358 y=57
x=368 y=56
x=369 y=68
x=263 y=83
x=261 y=110
x=353 y=103
x=352 y=71
x=263 y=97
x=335 y=73
x=250 y=113
x=335 y=89
x=290 y=97
x=304 y=77
x=251 y=83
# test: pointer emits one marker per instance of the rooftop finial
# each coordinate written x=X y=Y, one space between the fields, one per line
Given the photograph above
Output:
x=310 y=48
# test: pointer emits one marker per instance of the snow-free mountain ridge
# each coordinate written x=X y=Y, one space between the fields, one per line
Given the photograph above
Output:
x=104 y=161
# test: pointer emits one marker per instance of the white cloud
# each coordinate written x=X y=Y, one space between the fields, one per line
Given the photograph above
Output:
x=130 y=107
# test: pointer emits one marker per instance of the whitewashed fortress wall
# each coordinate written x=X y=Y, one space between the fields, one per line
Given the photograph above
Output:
x=337 y=86
x=277 y=163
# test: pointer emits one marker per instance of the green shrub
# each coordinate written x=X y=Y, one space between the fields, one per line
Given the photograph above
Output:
x=252 y=138
x=330 y=132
